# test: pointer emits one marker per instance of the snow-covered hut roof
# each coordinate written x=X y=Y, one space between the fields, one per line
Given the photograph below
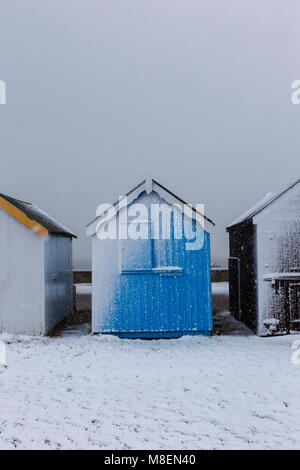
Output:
x=33 y=217
x=269 y=199
x=148 y=185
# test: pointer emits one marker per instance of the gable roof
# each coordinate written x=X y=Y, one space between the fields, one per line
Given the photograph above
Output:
x=265 y=202
x=33 y=217
x=148 y=185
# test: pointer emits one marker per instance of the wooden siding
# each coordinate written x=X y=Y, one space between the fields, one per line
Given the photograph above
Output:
x=242 y=240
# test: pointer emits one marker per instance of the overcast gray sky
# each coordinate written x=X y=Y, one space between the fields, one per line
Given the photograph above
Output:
x=101 y=91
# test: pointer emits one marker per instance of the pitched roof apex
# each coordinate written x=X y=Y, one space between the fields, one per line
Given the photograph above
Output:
x=149 y=185
x=263 y=204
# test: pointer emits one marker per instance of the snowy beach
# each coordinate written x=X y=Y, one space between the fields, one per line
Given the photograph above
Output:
x=78 y=391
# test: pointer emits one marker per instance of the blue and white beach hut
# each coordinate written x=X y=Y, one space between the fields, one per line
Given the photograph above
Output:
x=151 y=266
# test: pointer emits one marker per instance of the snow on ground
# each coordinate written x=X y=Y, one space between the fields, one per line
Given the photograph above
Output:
x=88 y=392
x=83 y=289
x=220 y=288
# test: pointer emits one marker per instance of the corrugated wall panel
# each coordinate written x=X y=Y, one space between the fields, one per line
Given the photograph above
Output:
x=58 y=280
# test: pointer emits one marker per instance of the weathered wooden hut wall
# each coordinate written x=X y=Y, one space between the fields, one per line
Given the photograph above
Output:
x=242 y=240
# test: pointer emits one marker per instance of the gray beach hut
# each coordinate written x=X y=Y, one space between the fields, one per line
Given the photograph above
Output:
x=36 y=286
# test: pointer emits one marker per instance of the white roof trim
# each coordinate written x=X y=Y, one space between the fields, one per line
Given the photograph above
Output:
x=149 y=185
x=275 y=204
x=265 y=206
x=247 y=214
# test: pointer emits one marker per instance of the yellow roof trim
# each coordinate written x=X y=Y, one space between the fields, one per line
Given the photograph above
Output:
x=19 y=215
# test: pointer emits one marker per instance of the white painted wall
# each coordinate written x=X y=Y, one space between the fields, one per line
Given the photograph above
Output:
x=22 y=305
x=278 y=248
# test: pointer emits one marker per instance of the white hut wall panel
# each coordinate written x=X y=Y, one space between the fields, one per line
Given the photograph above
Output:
x=58 y=279
x=278 y=251
x=21 y=278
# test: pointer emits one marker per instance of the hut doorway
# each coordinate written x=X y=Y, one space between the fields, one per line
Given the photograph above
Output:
x=235 y=287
